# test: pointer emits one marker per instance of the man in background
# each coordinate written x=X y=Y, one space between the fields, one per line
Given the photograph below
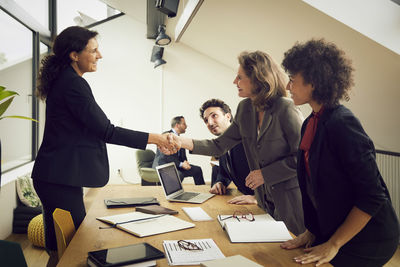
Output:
x=233 y=166
x=185 y=169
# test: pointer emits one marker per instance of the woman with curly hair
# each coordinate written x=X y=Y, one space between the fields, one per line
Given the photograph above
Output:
x=348 y=213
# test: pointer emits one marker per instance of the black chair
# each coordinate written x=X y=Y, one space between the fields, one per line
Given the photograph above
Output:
x=11 y=254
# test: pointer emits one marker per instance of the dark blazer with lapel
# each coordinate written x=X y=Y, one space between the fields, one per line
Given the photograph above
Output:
x=273 y=150
x=239 y=172
x=177 y=158
x=344 y=174
x=73 y=151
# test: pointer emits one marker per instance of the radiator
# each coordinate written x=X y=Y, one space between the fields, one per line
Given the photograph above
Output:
x=389 y=167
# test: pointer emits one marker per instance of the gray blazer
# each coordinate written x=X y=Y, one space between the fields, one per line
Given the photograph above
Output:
x=273 y=151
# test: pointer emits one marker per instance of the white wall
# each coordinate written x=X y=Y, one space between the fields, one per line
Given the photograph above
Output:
x=224 y=28
x=135 y=95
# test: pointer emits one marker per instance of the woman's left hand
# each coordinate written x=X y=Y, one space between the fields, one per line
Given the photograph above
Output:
x=254 y=179
x=321 y=254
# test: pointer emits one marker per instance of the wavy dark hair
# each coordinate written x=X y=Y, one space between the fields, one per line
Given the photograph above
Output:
x=71 y=39
x=215 y=103
x=323 y=65
x=268 y=79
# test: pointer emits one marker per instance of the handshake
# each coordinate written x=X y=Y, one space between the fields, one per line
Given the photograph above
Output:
x=169 y=144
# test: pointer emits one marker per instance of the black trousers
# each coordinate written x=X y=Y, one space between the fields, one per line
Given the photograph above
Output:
x=65 y=197
x=195 y=171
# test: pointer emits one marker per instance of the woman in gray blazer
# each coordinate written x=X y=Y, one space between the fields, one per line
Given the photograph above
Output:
x=268 y=124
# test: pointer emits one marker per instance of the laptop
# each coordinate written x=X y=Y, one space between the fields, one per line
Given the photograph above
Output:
x=172 y=186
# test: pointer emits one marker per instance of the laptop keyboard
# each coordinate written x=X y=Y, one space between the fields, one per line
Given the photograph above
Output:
x=186 y=196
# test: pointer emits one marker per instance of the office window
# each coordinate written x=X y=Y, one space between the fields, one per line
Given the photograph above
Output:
x=38 y=9
x=16 y=75
x=82 y=13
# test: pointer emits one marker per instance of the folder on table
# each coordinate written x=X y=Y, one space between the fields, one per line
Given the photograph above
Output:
x=142 y=224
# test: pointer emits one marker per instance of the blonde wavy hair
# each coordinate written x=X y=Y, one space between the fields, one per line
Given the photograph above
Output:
x=268 y=79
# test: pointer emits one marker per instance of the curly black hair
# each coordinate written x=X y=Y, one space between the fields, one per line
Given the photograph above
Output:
x=215 y=103
x=323 y=65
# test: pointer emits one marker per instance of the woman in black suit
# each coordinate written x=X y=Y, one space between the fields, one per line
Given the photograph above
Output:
x=348 y=213
x=73 y=152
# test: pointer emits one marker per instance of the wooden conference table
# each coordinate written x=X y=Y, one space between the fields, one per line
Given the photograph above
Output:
x=89 y=237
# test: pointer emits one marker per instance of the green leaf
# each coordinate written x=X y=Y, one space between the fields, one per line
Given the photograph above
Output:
x=2 y=88
x=4 y=94
x=5 y=104
x=19 y=117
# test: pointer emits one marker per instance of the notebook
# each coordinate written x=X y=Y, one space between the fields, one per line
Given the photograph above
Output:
x=140 y=254
x=257 y=231
x=172 y=186
x=142 y=224
x=156 y=209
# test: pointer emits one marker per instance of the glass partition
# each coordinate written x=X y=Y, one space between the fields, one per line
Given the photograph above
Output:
x=82 y=13
x=16 y=75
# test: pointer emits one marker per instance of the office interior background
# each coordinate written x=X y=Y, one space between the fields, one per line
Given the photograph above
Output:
x=200 y=66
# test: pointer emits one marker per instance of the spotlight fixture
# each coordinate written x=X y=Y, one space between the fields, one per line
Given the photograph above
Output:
x=162 y=38
x=156 y=56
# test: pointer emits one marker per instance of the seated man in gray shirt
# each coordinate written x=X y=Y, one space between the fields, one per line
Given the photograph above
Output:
x=233 y=166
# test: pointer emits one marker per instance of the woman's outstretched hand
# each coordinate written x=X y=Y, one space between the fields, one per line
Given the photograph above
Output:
x=170 y=144
x=305 y=239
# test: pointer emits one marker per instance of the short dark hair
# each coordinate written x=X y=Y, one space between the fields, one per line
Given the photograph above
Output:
x=215 y=103
x=323 y=65
x=176 y=120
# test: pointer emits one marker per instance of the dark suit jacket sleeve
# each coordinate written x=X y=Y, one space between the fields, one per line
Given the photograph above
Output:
x=356 y=154
x=82 y=105
x=161 y=159
x=222 y=175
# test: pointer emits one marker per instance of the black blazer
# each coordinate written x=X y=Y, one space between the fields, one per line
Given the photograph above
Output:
x=177 y=158
x=239 y=172
x=344 y=174
x=73 y=151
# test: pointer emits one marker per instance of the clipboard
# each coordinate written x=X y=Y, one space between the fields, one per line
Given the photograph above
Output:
x=130 y=202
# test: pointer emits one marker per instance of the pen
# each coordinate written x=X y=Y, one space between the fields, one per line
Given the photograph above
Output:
x=136 y=220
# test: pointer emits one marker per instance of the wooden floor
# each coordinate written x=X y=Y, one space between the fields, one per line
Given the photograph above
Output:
x=37 y=257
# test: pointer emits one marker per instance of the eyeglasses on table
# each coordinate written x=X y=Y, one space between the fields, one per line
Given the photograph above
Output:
x=239 y=215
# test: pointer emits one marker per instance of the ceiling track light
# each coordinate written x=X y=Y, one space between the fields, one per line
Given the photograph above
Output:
x=162 y=38
x=156 y=56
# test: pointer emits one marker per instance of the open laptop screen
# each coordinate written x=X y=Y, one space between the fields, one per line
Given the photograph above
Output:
x=170 y=179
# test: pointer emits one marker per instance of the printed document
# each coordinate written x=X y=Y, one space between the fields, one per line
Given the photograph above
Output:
x=179 y=256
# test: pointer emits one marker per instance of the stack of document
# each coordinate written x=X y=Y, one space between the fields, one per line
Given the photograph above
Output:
x=178 y=256
x=263 y=229
x=142 y=224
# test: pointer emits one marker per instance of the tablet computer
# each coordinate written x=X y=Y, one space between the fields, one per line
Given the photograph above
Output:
x=120 y=256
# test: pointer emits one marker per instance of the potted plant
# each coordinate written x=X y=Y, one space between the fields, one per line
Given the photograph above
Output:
x=6 y=97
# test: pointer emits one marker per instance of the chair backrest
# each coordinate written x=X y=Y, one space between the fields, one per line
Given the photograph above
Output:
x=11 y=254
x=145 y=158
x=64 y=228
